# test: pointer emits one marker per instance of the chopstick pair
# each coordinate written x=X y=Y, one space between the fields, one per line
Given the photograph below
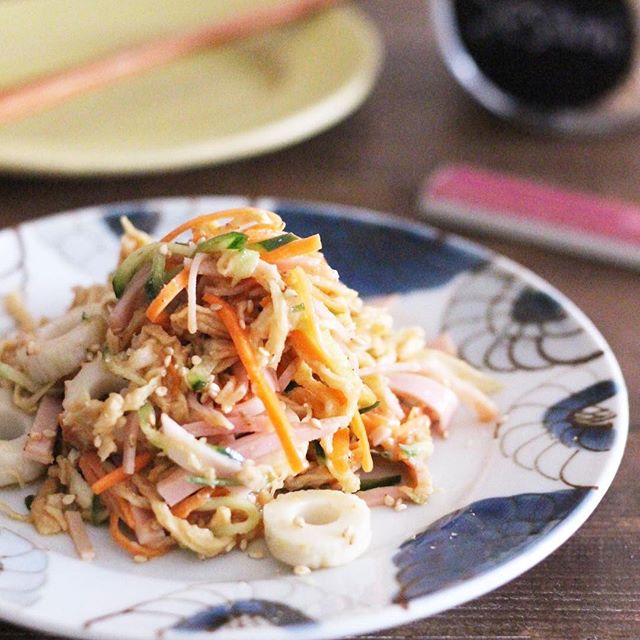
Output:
x=47 y=91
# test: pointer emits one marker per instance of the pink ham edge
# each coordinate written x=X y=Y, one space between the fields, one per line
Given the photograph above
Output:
x=131 y=299
x=438 y=399
x=256 y=446
x=375 y=497
x=176 y=487
x=42 y=435
x=286 y=376
x=79 y=535
x=144 y=526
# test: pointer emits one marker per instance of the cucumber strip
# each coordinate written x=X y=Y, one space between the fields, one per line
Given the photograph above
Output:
x=181 y=249
x=170 y=275
x=130 y=265
x=227 y=451
x=197 y=379
x=371 y=407
x=231 y=240
x=388 y=481
x=273 y=243
x=155 y=281
x=215 y=482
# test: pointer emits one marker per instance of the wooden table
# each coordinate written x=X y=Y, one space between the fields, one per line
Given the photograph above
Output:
x=415 y=120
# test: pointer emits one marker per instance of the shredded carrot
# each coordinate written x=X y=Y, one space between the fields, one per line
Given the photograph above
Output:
x=191 y=503
x=259 y=382
x=292 y=249
x=339 y=455
x=357 y=426
x=207 y=218
x=306 y=347
x=118 y=475
x=167 y=294
x=92 y=470
x=130 y=546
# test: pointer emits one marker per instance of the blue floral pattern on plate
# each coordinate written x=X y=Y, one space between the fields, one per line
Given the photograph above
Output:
x=471 y=540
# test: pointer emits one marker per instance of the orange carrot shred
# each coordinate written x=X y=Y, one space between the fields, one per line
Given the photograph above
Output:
x=202 y=220
x=292 y=249
x=191 y=503
x=261 y=386
x=92 y=471
x=119 y=475
x=339 y=455
x=130 y=546
x=166 y=295
x=358 y=428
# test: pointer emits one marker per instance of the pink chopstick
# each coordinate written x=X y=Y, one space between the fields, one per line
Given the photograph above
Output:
x=44 y=92
x=502 y=204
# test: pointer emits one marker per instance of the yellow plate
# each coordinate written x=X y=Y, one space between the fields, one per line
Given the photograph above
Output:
x=228 y=103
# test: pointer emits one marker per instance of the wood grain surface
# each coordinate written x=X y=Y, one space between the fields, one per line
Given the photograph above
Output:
x=415 y=120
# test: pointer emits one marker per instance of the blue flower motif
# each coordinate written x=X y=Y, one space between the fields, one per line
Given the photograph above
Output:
x=474 y=539
x=144 y=219
x=578 y=421
x=244 y=613
x=408 y=259
x=501 y=324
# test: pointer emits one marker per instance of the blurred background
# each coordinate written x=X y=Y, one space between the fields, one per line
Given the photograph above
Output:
x=360 y=106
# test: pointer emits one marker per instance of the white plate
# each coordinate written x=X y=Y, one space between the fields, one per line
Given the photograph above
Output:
x=530 y=483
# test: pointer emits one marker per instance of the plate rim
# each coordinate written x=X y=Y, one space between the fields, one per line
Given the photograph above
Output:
x=277 y=134
x=449 y=597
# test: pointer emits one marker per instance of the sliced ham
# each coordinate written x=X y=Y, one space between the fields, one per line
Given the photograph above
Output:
x=375 y=497
x=146 y=527
x=132 y=298
x=79 y=535
x=252 y=407
x=286 y=376
x=42 y=434
x=176 y=487
x=437 y=399
x=261 y=444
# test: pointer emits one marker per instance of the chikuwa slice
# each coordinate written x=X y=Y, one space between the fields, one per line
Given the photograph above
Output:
x=317 y=528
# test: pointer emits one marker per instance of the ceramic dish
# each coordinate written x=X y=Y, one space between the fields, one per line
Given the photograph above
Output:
x=223 y=104
x=505 y=498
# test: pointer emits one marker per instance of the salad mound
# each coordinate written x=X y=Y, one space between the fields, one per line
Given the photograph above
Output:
x=221 y=367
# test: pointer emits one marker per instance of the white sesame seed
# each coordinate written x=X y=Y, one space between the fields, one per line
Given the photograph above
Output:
x=388 y=500
x=140 y=559
x=315 y=423
x=243 y=544
x=164 y=249
x=97 y=441
x=167 y=361
x=196 y=360
x=299 y=521
x=301 y=570
x=256 y=554
x=161 y=391
x=68 y=499
x=49 y=433
x=169 y=351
